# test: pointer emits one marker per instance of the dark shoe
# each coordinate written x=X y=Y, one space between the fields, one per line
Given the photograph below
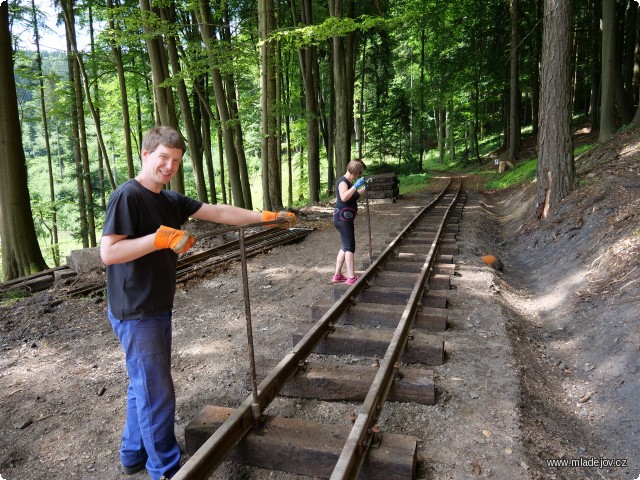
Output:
x=138 y=467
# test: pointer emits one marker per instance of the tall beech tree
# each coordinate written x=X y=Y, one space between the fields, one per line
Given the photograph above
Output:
x=21 y=253
x=233 y=95
x=205 y=24
x=309 y=68
x=55 y=248
x=270 y=137
x=168 y=14
x=116 y=51
x=163 y=92
x=343 y=77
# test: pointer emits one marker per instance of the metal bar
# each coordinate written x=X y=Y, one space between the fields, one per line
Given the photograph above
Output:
x=220 y=231
x=255 y=244
x=366 y=201
x=255 y=406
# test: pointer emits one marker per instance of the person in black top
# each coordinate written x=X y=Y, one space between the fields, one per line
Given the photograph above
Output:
x=141 y=240
x=344 y=214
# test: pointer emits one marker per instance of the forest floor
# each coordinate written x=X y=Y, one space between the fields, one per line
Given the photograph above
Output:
x=542 y=363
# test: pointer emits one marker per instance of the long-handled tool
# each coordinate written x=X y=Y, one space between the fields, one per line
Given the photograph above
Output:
x=255 y=405
x=366 y=201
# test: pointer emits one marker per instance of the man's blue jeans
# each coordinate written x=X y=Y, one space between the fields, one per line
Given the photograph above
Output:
x=151 y=401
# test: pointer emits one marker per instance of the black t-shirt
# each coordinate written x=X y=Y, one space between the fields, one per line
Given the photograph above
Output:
x=146 y=285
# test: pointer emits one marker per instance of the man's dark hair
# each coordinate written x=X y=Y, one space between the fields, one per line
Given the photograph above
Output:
x=160 y=135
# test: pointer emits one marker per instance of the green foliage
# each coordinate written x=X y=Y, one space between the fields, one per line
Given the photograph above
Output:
x=582 y=149
x=524 y=172
x=306 y=36
x=414 y=183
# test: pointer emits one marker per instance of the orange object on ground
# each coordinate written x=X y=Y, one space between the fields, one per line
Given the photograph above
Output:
x=492 y=261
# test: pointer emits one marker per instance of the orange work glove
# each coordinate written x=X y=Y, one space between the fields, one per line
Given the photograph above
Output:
x=177 y=240
x=283 y=215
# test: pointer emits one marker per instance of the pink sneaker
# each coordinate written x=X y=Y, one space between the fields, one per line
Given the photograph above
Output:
x=338 y=278
x=351 y=280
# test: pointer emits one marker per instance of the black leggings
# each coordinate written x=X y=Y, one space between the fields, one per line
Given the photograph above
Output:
x=347 y=235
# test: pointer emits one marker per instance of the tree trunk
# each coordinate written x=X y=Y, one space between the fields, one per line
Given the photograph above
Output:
x=422 y=135
x=556 y=171
x=332 y=169
x=514 y=89
x=207 y=147
x=84 y=169
x=169 y=15
x=442 y=132
x=223 y=184
x=164 y=100
x=271 y=181
x=124 y=102
x=232 y=101
x=21 y=253
x=631 y=41
x=55 y=248
x=308 y=68
x=204 y=22
x=359 y=122
x=451 y=132
x=636 y=117
x=94 y=72
x=607 y=102
x=535 y=72
x=75 y=140
x=287 y=134
x=622 y=100
x=69 y=20
x=340 y=74
x=596 y=68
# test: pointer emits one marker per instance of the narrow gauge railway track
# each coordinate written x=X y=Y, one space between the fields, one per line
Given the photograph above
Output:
x=189 y=266
x=398 y=290
x=254 y=244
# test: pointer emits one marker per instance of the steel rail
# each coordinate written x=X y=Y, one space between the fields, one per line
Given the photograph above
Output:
x=363 y=431
x=218 y=446
x=226 y=252
x=254 y=244
x=271 y=234
x=17 y=282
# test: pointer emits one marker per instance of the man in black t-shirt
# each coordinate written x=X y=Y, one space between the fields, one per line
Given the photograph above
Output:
x=141 y=240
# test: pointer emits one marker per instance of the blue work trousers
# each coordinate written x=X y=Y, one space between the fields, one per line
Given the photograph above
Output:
x=151 y=402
